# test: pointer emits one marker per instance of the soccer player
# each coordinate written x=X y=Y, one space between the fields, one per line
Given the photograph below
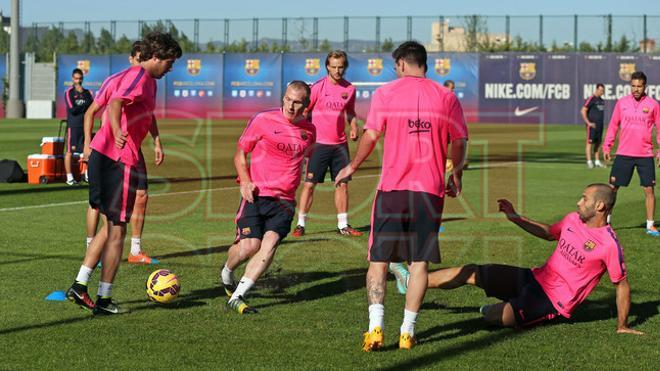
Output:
x=77 y=99
x=109 y=86
x=449 y=84
x=593 y=115
x=112 y=174
x=587 y=247
x=418 y=118
x=636 y=114
x=277 y=140
x=332 y=104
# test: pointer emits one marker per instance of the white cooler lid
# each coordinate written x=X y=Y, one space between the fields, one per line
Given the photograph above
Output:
x=51 y=139
x=39 y=156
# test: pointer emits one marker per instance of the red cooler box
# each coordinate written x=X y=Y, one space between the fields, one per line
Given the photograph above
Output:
x=44 y=168
x=52 y=145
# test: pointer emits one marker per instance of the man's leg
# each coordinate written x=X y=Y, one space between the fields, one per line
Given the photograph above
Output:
x=451 y=278
x=588 y=151
x=78 y=290
x=500 y=314
x=417 y=285
x=136 y=255
x=306 y=199
x=111 y=260
x=257 y=265
x=92 y=220
x=376 y=285
x=649 y=201
x=237 y=254
x=341 y=203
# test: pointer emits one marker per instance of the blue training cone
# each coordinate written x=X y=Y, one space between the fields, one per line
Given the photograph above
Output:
x=442 y=229
x=56 y=296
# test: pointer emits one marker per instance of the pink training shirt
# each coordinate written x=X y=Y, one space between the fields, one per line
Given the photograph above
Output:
x=419 y=118
x=138 y=91
x=278 y=148
x=636 y=119
x=329 y=105
x=582 y=256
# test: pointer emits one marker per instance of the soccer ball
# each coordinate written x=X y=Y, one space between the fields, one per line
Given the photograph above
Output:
x=163 y=286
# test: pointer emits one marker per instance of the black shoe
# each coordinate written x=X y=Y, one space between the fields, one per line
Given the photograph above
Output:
x=229 y=288
x=77 y=293
x=105 y=306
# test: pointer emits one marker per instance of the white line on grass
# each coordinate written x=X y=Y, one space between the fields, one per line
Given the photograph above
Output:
x=150 y=195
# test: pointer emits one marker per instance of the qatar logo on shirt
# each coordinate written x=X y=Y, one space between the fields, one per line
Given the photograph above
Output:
x=626 y=70
x=375 y=66
x=442 y=66
x=312 y=66
x=527 y=70
x=84 y=65
x=194 y=66
x=252 y=66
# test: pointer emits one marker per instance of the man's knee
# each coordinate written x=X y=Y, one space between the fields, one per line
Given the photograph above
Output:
x=141 y=197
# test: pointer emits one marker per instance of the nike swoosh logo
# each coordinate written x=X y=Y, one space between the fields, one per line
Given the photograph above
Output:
x=569 y=229
x=518 y=112
x=277 y=132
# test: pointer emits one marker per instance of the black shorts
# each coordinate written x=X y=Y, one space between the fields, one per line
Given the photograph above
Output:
x=404 y=227
x=324 y=156
x=595 y=135
x=141 y=169
x=112 y=187
x=75 y=140
x=623 y=167
x=253 y=220
x=518 y=287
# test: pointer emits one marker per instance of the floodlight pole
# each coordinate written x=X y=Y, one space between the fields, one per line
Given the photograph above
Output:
x=14 y=104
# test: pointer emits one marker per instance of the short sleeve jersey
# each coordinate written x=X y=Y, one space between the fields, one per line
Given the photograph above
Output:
x=595 y=109
x=329 y=105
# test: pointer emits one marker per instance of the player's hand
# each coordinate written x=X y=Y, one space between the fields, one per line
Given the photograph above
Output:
x=591 y=125
x=247 y=191
x=607 y=157
x=353 y=134
x=454 y=185
x=159 y=155
x=120 y=139
x=87 y=151
x=344 y=174
x=628 y=330
x=507 y=208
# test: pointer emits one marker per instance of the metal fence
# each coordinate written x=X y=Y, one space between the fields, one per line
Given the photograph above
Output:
x=606 y=33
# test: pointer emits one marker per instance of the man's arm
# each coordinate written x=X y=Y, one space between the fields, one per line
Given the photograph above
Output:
x=583 y=112
x=455 y=181
x=159 y=155
x=353 y=122
x=612 y=129
x=241 y=164
x=366 y=146
x=623 y=307
x=538 y=229
x=114 y=115
x=88 y=126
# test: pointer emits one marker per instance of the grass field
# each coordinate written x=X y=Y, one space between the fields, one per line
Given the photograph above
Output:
x=312 y=301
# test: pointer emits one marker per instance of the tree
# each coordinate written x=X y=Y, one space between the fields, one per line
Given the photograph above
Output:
x=325 y=46
x=123 y=45
x=387 y=45
x=50 y=43
x=585 y=47
x=105 y=43
x=236 y=47
x=210 y=47
x=69 y=45
x=4 y=41
x=624 y=45
x=88 y=44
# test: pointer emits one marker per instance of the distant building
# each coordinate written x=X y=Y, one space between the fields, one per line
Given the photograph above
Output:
x=454 y=39
x=647 y=45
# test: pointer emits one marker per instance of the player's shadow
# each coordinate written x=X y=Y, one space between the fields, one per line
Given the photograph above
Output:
x=530 y=156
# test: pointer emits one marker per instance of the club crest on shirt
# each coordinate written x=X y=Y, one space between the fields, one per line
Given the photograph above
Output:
x=442 y=66
x=84 y=65
x=589 y=245
x=626 y=70
x=194 y=66
x=312 y=66
x=252 y=66
x=375 y=66
x=344 y=95
x=645 y=110
x=303 y=135
x=527 y=70
x=246 y=231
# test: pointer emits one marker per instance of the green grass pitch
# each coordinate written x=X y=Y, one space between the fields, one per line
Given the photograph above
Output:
x=312 y=301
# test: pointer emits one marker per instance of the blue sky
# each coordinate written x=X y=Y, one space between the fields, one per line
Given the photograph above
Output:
x=556 y=29
x=64 y=10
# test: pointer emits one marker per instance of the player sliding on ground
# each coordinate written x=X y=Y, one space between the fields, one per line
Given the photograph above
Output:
x=587 y=247
x=277 y=140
